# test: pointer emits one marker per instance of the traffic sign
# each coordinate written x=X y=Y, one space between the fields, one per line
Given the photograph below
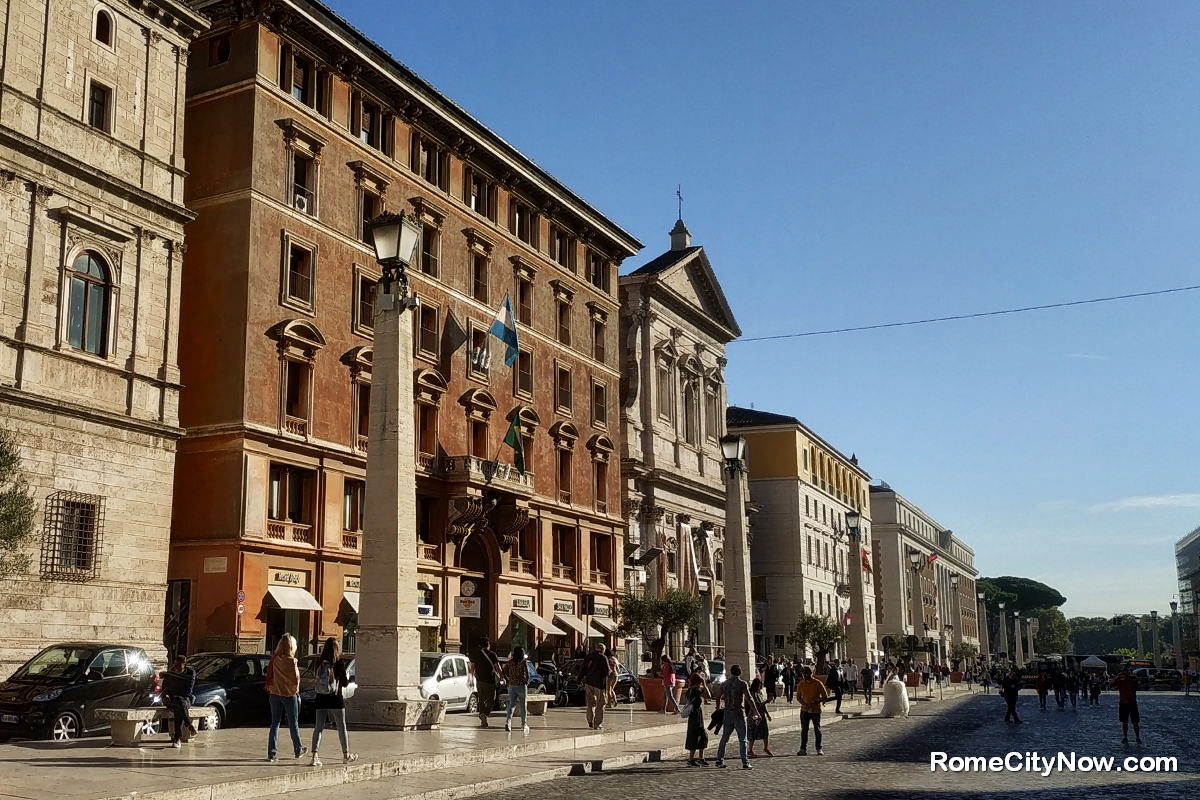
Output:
x=241 y=597
x=241 y=609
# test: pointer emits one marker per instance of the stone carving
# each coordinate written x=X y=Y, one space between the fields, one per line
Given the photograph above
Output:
x=466 y=512
x=512 y=520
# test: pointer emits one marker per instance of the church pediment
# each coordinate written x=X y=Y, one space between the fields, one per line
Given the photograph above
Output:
x=693 y=281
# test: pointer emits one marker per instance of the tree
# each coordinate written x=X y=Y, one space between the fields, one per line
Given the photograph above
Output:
x=1054 y=632
x=818 y=632
x=17 y=510
x=1125 y=651
x=654 y=619
x=1030 y=594
x=960 y=652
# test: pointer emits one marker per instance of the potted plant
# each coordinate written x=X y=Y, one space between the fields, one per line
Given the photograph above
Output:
x=654 y=619
x=959 y=652
x=818 y=633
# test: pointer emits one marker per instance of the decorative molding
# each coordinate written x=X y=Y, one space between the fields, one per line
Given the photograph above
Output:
x=294 y=131
x=365 y=173
x=466 y=511
x=477 y=242
x=428 y=213
x=597 y=312
x=523 y=268
x=563 y=293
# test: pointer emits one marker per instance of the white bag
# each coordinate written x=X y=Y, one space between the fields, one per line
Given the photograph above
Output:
x=686 y=711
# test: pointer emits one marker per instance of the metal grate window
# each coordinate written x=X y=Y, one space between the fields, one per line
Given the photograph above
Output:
x=72 y=537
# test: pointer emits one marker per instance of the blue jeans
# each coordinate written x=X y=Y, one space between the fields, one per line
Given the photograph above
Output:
x=280 y=706
x=733 y=721
x=669 y=701
x=336 y=717
x=516 y=694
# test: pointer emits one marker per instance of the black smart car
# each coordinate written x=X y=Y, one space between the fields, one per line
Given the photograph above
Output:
x=55 y=694
x=233 y=685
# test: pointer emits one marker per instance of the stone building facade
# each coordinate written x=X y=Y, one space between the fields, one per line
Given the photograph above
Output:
x=921 y=599
x=675 y=324
x=802 y=557
x=303 y=130
x=91 y=230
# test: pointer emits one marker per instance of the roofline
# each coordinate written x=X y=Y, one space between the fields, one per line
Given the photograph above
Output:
x=919 y=510
x=783 y=427
x=435 y=100
x=1187 y=540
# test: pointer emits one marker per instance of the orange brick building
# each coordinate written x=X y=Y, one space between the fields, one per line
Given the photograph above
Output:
x=300 y=129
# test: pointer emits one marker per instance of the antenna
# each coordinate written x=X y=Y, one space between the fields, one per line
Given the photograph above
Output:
x=679 y=194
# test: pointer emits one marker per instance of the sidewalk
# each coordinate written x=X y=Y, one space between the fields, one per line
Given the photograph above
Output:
x=459 y=760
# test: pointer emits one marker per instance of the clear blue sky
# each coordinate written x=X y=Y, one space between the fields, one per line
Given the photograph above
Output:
x=857 y=163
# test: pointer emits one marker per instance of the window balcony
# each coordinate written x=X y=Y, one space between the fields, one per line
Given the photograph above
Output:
x=562 y=572
x=428 y=552
x=292 y=532
x=351 y=540
x=520 y=565
x=601 y=578
x=361 y=443
x=427 y=463
x=484 y=473
x=295 y=426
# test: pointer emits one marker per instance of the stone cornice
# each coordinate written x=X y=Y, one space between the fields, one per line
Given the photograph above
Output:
x=9 y=394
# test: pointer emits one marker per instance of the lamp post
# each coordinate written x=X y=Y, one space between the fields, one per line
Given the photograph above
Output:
x=739 y=612
x=1141 y=622
x=1176 y=641
x=859 y=643
x=1020 y=649
x=915 y=560
x=981 y=624
x=389 y=644
x=1154 y=638
x=1003 y=635
x=957 y=605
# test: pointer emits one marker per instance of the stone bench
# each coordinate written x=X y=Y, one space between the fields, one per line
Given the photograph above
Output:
x=128 y=724
x=535 y=704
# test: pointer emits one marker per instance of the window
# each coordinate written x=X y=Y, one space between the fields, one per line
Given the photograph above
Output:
x=562 y=385
x=599 y=405
x=370 y=128
x=476 y=194
x=219 y=50
x=691 y=414
x=666 y=400
x=88 y=302
x=712 y=416
x=427 y=161
x=427 y=334
x=425 y=508
x=564 y=476
x=104 y=28
x=522 y=223
x=72 y=535
x=564 y=323
x=563 y=547
x=524 y=302
x=479 y=277
x=598 y=331
x=290 y=495
x=810 y=558
x=430 y=246
x=479 y=439
x=303 y=80
x=370 y=210
x=304 y=184
x=524 y=374
x=99 y=106
x=365 y=302
x=672 y=558
x=352 y=505
x=480 y=357
x=295 y=397
x=560 y=249
x=300 y=274
x=600 y=484
x=427 y=430
x=597 y=273
x=362 y=401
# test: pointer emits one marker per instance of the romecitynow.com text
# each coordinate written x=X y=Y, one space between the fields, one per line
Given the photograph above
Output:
x=1063 y=762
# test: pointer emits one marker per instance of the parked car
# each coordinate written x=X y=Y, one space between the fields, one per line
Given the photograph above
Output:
x=627 y=689
x=233 y=685
x=716 y=673
x=308 y=682
x=447 y=676
x=55 y=694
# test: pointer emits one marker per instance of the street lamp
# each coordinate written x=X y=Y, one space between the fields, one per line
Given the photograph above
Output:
x=1020 y=640
x=739 y=619
x=1175 y=639
x=395 y=237
x=981 y=624
x=853 y=520
x=1154 y=640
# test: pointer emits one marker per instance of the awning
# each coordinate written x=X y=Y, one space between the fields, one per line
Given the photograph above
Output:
x=530 y=618
x=293 y=598
x=574 y=623
x=604 y=624
x=351 y=599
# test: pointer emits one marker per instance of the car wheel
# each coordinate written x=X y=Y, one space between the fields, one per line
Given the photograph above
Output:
x=214 y=721
x=66 y=726
x=473 y=704
x=149 y=727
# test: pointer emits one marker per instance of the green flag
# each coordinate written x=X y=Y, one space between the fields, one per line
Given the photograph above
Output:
x=513 y=440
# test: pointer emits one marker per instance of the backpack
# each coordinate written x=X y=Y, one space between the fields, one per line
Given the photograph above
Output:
x=326 y=681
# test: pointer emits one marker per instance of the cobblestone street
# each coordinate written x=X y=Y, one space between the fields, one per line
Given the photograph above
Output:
x=872 y=757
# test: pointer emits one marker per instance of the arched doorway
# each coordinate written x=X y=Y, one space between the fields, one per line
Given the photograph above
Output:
x=475 y=583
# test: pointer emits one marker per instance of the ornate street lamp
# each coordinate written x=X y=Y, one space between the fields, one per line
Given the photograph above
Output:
x=739 y=610
x=733 y=448
x=395 y=237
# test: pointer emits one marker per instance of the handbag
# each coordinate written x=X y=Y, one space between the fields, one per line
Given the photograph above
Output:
x=686 y=711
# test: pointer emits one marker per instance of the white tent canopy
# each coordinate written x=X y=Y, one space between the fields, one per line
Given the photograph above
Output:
x=1094 y=662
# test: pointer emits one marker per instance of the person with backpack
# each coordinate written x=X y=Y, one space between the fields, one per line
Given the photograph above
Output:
x=516 y=675
x=177 y=688
x=485 y=668
x=668 y=679
x=593 y=672
x=329 y=702
x=835 y=682
x=283 y=682
x=697 y=737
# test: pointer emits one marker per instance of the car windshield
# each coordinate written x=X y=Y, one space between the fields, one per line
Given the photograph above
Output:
x=57 y=662
x=207 y=668
x=308 y=666
x=429 y=665
x=571 y=668
x=716 y=668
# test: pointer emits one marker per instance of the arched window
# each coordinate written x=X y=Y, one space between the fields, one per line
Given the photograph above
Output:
x=691 y=413
x=87 y=315
x=104 y=28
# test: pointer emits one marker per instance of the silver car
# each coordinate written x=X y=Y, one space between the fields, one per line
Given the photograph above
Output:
x=447 y=676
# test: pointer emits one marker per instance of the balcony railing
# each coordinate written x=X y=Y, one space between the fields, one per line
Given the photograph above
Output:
x=600 y=577
x=562 y=571
x=427 y=552
x=295 y=426
x=426 y=462
x=361 y=443
x=484 y=472
x=289 y=532
x=520 y=565
x=351 y=540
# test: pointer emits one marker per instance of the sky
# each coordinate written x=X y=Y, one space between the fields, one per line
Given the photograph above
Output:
x=852 y=164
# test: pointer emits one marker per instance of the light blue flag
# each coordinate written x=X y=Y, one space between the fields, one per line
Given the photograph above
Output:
x=504 y=328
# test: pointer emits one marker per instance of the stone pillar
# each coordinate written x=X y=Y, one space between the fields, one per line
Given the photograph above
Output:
x=389 y=642
x=1020 y=657
x=917 y=603
x=858 y=644
x=739 y=614
x=1176 y=641
x=982 y=628
x=1141 y=649
x=1154 y=640
x=1004 y=638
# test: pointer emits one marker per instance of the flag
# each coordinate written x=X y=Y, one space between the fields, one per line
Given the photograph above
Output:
x=866 y=561
x=504 y=328
x=846 y=619
x=930 y=559
x=513 y=440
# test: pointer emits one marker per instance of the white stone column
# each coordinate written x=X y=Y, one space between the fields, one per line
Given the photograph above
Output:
x=1004 y=640
x=389 y=642
x=858 y=646
x=739 y=613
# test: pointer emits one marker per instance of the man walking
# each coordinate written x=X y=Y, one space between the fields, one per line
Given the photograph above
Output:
x=789 y=679
x=177 y=688
x=735 y=696
x=485 y=666
x=594 y=673
x=811 y=693
x=770 y=676
x=834 y=682
x=867 y=679
x=1010 y=688
x=1127 y=707
x=1060 y=690
x=851 y=678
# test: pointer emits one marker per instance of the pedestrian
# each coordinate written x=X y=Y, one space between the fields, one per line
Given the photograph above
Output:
x=895 y=696
x=789 y=679
x=985 y=680
x=1060 y=690
x=812 y=694
x=759 y=729
x=770 y=677
x=614 y=670
x=329 y=702
x=1127 y=706
x=283 y=682
x=516 y=675
x=177 y=687
x=851 y=674
x=594 y=674
x=1084 y=684
x=1186 y=680
x=689 y=660
x=735 y=696
x=834 y=682
x=867 y=679
x=668 y=679
x=1097 y=688
x=970 y=677
x=697 y=737
x=485 y=667
x=1073 y=690
x=1010 y=688
x=1042 y=685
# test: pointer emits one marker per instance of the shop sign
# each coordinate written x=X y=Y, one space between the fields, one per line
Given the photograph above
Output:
x=216 y=564
x=564 y=606
x=287 y=577
x=521 y=602
x=468 y=607
x=603 y=610
x=350 y=583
